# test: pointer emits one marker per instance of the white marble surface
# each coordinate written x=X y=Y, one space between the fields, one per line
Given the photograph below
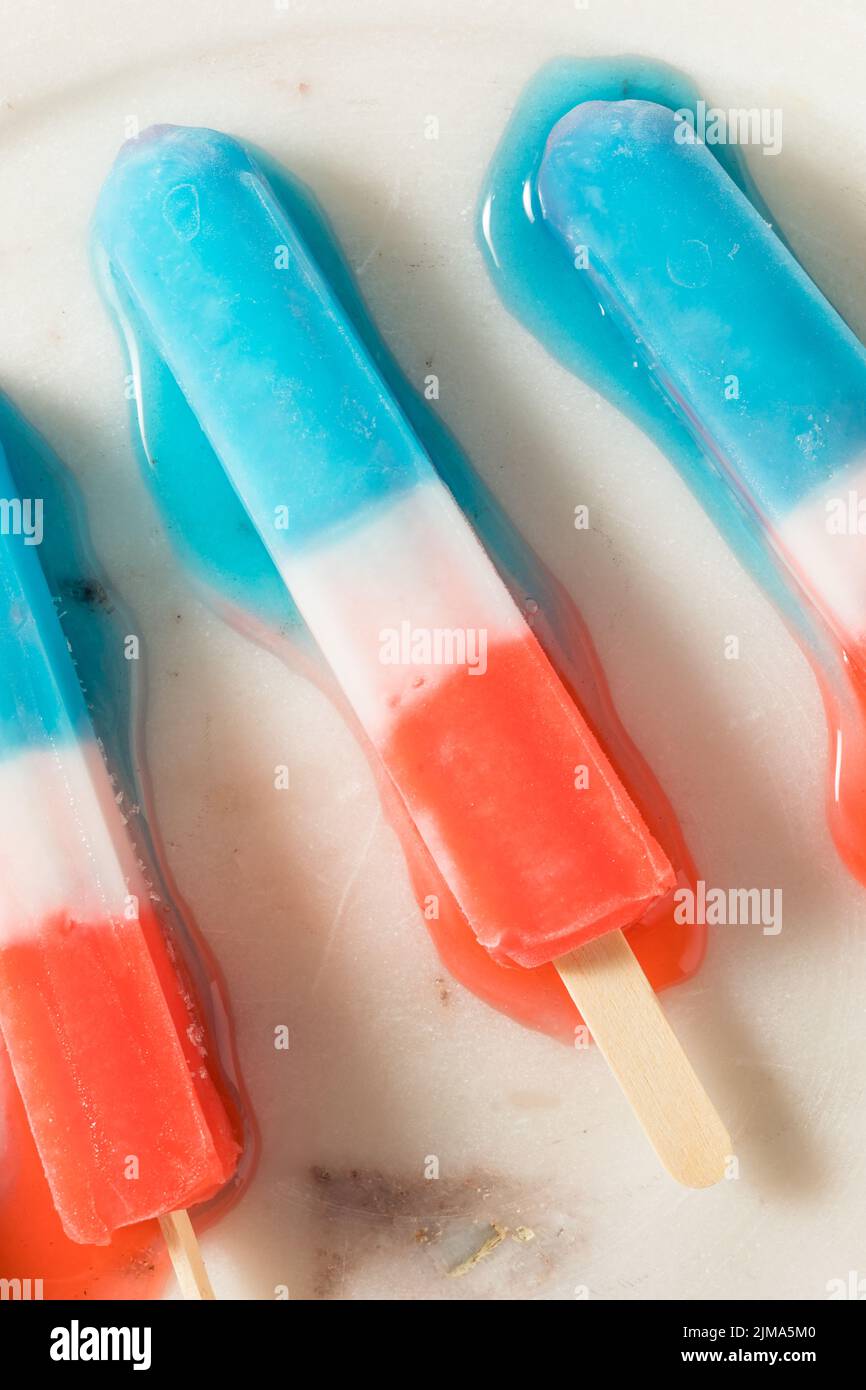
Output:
x=303 y=895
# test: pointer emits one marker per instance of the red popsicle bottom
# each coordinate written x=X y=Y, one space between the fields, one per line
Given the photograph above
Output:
x=37 y=1258
x=520 y=807
x=114 y=1071
x=668 y=949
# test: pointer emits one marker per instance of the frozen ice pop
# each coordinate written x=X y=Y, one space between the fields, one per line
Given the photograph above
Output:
x=114 y=1079
x=767 y=376
x=514 y=798
x=224 y=556
x=650 y=266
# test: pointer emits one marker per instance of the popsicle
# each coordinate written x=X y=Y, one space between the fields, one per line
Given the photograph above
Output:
x=225 y=560
x=102 y=1038
x=513 y=797
x=762 y=370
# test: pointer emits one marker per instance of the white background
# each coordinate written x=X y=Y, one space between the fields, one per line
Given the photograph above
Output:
x=303 y=894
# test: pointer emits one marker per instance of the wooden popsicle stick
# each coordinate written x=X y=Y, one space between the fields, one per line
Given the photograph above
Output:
x=621 y=1011
x=186 y=1256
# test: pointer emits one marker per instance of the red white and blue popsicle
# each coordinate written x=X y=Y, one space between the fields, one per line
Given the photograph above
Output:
x=514 y=798
x=115 y=1078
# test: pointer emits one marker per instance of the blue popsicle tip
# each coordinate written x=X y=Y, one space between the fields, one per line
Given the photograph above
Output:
x=269 y=360
x=764 y=372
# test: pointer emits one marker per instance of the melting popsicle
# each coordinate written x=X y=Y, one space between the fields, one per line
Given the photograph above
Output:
x=112 y=1070
x=762 y=370
x=512 y=795
x=768 y=376
x=225 y=558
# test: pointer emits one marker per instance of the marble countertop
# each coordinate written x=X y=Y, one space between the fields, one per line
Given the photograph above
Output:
x=304 y=896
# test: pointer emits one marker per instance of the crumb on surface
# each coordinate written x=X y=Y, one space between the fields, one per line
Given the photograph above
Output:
x=496 y=1237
